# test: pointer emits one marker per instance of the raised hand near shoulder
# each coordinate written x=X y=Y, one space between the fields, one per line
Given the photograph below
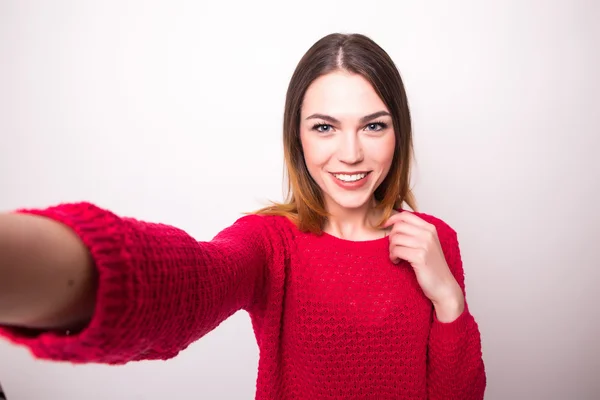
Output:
x=416 y=241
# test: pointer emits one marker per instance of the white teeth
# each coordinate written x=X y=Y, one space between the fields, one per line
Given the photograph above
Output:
x=349 y=178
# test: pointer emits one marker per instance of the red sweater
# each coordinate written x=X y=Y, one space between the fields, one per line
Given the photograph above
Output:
x=333 y=319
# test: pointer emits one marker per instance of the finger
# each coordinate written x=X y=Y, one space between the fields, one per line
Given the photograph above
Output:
x=405 y=228
x=408 y=254
x=408 y=217
x=414 y=220
x=393 y=219
x=425 y=231
x=403 y=240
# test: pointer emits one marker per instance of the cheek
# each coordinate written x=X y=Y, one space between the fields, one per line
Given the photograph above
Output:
x=382 y=151
x=390 y=149
x=315 y=153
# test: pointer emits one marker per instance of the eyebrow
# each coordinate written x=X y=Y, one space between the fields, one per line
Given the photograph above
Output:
x=363 y=120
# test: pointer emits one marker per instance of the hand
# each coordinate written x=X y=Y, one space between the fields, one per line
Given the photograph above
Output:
x=416 y=241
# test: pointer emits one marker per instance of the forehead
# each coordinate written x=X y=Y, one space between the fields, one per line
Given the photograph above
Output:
x=342 y=94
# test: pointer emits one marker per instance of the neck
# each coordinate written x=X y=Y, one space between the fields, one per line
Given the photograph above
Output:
x=354 y=224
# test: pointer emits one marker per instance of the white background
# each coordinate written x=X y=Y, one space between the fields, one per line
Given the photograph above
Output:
x=171 y=111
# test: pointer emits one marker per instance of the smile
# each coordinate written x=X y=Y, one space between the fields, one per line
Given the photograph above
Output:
x=351 y=177
x=351 y=181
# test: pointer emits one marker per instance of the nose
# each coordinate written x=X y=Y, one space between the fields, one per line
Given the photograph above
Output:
x=350 y=149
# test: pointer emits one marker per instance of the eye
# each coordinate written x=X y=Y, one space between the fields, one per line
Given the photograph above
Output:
x=376 y=126
x=322 y=128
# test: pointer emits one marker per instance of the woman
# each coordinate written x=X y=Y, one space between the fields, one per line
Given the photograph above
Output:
x=350 y=294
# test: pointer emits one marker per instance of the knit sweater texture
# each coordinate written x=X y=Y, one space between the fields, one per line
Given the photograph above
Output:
x=333 y=318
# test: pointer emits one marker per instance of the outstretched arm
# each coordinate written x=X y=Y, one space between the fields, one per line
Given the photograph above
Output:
x=81 y=284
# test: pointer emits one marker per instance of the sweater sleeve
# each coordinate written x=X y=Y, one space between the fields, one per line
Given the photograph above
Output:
x=158 y=289
x=455 y=369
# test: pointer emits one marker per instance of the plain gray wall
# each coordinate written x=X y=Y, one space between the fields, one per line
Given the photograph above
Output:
x=171 y=111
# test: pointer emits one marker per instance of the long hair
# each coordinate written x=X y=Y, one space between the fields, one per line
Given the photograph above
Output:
x=357 y=54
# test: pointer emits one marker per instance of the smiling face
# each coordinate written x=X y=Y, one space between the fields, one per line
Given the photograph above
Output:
x=347 y=138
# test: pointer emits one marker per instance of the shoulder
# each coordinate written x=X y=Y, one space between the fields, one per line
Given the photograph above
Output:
x=251 y=232
x=263 y=221
x=274 y=234
x=266 y=227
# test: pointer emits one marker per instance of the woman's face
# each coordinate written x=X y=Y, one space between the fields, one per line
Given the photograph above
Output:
x=347 y=137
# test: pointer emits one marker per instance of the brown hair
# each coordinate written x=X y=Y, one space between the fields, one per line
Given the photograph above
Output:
x=357 y=54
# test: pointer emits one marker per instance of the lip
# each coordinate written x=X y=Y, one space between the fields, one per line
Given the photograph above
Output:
x=351 y=185
x=350 y=172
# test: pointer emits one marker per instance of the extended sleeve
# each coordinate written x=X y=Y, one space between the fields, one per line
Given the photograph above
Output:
x=158 y=289
x=455 y=369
